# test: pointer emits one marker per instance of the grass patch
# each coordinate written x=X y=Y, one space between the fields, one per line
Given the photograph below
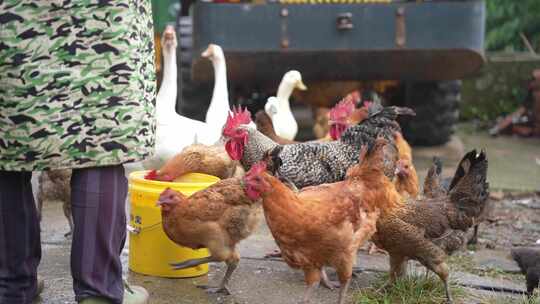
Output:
x=409 y=289
x=465 y=263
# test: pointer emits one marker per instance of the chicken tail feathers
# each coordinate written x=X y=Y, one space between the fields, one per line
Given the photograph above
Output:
x=469 y=187
x=389 y=112
x=433 y=183
x=437 y=165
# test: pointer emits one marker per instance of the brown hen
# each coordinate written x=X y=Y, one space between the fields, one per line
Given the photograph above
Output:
x=424 y=229
x=55 y=185
x=217 y=218
x=212 y=160
x=325 y=225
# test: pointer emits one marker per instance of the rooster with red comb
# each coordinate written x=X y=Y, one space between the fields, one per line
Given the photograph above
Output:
x=313 y=163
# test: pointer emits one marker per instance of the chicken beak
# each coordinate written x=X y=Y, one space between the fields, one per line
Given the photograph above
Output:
x=400 y=169
x=301 y=86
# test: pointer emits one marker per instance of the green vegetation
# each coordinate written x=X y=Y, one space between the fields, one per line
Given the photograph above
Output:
x=501 y=87
x=418 y=290
x=506 y=20
x=465 y=263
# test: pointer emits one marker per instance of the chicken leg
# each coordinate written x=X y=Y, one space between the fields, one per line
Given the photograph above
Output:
x=313 y=278
x=193 y=263
x=397 y=269
x=222 y=288
x=343 y=292
x=326 y=282
x=442 y=271
x=67 y=212
x=474 y=238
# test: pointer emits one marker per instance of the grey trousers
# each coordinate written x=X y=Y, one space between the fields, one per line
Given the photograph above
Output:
x=98 y=198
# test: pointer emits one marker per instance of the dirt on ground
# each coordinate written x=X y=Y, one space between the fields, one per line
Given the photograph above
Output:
x=514 y=220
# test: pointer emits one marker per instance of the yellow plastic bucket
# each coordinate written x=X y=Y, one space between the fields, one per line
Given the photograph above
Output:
x=150 y=250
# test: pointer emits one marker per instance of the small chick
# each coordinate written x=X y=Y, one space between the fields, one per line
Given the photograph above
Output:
x=528 y=260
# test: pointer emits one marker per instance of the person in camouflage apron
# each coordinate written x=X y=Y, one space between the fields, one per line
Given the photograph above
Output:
x=77 y=90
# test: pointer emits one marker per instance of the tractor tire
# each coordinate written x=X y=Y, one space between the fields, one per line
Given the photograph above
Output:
x=193 y=99
x=437 y=112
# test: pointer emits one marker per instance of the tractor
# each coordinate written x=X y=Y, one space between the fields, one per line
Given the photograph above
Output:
x=408 y=53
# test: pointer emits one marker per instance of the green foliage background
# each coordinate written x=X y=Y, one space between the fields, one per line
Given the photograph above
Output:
x=507 y=18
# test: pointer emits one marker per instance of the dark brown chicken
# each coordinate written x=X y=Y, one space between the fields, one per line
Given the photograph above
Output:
x=264 y=125
x=528 y=260
x=436 y=186
x=217 y=218
x=433 y=186
x=320 y=125
x=420 y=229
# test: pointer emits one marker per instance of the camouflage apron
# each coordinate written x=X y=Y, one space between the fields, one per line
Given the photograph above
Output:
x=77 y=83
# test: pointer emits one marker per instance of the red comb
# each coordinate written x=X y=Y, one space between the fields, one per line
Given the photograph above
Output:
x=354 y=96
x=342 y=110
x=152 y=175
x=257 y=168
x=236 y=118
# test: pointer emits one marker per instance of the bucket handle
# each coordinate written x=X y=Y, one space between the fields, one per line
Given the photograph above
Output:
x=138 y=230
x=133 y=230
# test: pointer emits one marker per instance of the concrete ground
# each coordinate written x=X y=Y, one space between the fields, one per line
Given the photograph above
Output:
x=513 y=166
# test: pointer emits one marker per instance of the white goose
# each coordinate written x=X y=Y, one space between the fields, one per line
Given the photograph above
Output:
x=279 y=108
x=173 y=131
x=217 y=113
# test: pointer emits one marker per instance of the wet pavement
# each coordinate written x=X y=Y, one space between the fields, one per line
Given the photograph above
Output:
x=514 y=162
x=258 y=280
x=512 y=167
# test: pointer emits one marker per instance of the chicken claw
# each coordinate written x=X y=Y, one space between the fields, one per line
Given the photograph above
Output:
x=274 y=254
x=373 y=249
x=213 y=290
x=326 y=282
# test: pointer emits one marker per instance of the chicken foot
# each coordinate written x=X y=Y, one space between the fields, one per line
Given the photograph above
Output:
x=222 y=288
x=274 y=254
x=326 y=282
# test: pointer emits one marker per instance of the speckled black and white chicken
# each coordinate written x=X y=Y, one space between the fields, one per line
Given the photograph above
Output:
x=312 y=163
